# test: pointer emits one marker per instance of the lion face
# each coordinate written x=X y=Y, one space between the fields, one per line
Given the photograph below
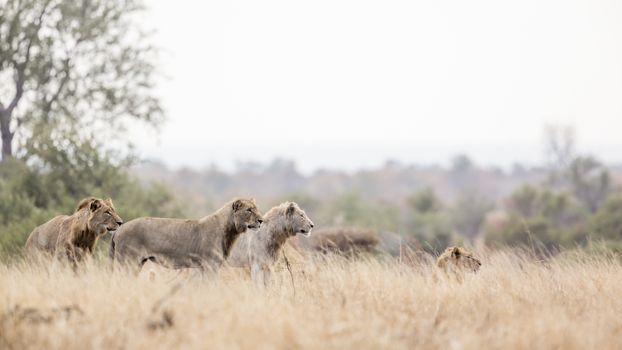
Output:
x=102 y=216
x=246 y=215
x=298 y=220
x=458 y=258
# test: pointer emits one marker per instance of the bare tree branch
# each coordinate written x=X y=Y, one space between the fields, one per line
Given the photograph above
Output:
x=48 y=102
x=21 y=67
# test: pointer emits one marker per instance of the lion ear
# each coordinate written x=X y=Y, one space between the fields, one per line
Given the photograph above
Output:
x=455 y=252
x=237 y=205
x=95 y=204
x=291 y=209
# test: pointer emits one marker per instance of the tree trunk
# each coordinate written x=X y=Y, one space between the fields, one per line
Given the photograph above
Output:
x=7 y=135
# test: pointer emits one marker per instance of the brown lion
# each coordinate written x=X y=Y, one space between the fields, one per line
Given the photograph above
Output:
x=178 y=243
x=260 y=250
x=349 y=241
x=74 y=236
x=457 y=259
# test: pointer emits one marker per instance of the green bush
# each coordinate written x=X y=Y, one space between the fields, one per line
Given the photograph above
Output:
x=351 y=209
x=535 y=231
x=606 y=223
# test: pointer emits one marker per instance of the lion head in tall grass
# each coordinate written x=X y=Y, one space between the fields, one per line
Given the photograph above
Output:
x=458 y=259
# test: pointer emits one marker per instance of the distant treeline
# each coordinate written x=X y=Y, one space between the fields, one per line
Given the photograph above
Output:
x=559 y=204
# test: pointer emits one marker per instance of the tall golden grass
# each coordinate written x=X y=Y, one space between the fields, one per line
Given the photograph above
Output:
x=516 y=301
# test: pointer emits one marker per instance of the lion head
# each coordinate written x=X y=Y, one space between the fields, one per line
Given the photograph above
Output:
x=297 y=219
x=102 y=217
x=246 y=215
x=458 y=258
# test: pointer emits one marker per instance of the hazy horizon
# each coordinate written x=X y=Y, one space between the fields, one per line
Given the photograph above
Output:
x=351 y=158
x=350 y=84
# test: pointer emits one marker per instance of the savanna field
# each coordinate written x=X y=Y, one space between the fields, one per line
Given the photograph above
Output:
x=355 y=141
x=517 y=300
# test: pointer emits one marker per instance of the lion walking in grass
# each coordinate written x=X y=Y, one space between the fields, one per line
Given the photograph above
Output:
x=72 y=237
x=259 y=251
x=179 y=243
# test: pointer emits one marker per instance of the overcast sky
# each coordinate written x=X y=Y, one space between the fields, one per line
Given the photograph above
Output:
x=347 y=84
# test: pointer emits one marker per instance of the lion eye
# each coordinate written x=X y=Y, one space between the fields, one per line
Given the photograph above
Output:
x=108 y=213
x=249 y=210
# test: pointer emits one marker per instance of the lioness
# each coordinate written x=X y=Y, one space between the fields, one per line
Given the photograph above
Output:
x=456 y=259
x=73 y=236
x=259 y=251
x=179 y=243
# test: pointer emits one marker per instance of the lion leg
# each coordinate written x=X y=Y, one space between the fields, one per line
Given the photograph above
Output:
x=142 y=261
x=267 y=273
x=256 y=274
x=67 y=254
x=207 y=271
x=260 y=274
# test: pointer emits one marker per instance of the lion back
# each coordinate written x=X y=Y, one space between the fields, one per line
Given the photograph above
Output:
x=44 y=237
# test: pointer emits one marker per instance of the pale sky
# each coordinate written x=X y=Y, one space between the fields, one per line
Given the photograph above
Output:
x=347 y=84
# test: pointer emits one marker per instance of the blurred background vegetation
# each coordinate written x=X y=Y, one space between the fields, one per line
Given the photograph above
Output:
x=74 y=76
x=568 y=203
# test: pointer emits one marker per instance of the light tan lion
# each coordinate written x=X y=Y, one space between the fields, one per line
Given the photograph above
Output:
x=259 y=251
x=457 y=259
x=74 y=236
x=179 y=243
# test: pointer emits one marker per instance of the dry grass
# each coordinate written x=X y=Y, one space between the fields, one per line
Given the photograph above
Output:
x=572 y=302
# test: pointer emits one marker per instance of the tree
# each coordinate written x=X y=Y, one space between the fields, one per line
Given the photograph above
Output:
x=424 y=201
x=559 y=150
x=607 y=221
x=469 y=212
x=70 y=67
x=539 y=215
x=584 y=176
x=560 y=208
x=350 y=209
x=428 y=221
x=525 y=231
x=462 y=172
x=525 y=201
x=590 y=182
x=461 y=164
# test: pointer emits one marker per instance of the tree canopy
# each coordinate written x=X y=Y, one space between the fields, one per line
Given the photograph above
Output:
x=71 y=68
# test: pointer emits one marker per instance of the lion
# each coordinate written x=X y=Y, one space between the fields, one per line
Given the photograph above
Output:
x=178 y=243
x=259 y=251
x=349 y=241
x=74 y=236
x=457 y=259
